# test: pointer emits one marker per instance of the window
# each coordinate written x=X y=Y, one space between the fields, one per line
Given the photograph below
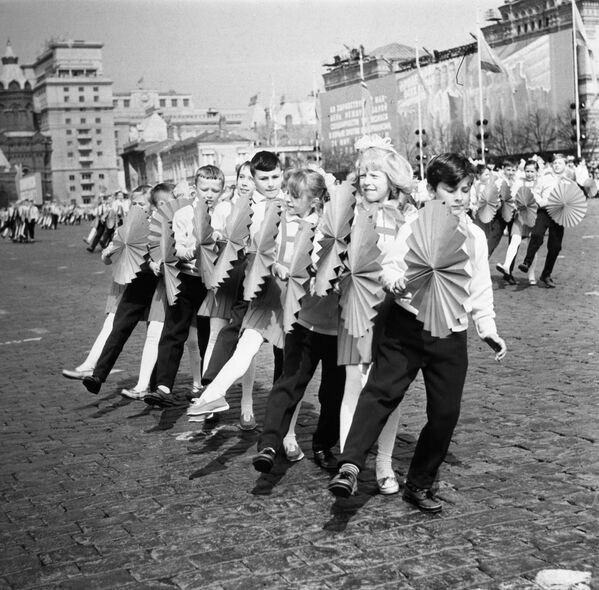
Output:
x=98 y=120
x=72 y=189
x=66 y=88
x=100 y=153
x=69 y=131
x=86 y=200
x=82 y=99
x=86 y=176
x=83 y=121
x=174 y=102
x=69 y=154
x=98 y=131
x=95 y=89
x=80 y=88
x=71 y=177
x=69 y=142
x=96 y=98
x=101 y=175
x=126 y=103
x=66 y=99
x=99 y=142
x=67 y=121
x=186 y=102
x=115 y=103
x=162 y=102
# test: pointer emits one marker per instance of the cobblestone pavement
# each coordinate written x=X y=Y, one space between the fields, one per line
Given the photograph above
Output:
x=102 y=492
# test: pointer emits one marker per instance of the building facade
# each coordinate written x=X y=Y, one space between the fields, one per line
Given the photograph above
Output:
x=75 y=104
x=25 y=149
x=526 y=101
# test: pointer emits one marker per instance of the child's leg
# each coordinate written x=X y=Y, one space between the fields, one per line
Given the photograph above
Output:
x=94 y=354
x=532 y=271
x=247 y=389
x=355 y=379
x=247 y=348
x=149 y=355
x=290 y=446
x=195 y=360
x=511 y=250
x=444 y=376
x=386 y=444
x=216 y=325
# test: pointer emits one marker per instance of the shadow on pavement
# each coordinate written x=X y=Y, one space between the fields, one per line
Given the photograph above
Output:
x=344 y=509
x=267 y=481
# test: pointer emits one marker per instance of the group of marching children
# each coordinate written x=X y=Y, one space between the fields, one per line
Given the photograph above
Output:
x=322 y=272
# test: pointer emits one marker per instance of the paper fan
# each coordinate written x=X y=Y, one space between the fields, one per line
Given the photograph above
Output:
x=205 y=252
x=438 y=269
x=488 y=200
x=566 y=203
x=170 y=268
x=508 y=206
x=299 y=276
x=335 y=227
x=262 y=251
x=164 y=214
x=131 y=241
x=526 y=206
x=360 y=289
x=237 y=231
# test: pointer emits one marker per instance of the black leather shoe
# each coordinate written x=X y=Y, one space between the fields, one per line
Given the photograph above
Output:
x=344 y=484
x=326 y=460
x=422 y=499
x=547 y=282
x=92 y=384
x=264 y=460
x=523 y=267
x=510 y=280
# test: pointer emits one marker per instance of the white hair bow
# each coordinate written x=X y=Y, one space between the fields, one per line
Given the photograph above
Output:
x=374 y=141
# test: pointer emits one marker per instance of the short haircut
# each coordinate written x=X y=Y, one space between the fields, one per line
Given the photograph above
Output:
x=162 y=187
x=558 y=156
x=532 y=162
x=507 y=162
x=265 y=162
x=480 y=168
x=209 y=172
x=448 y=168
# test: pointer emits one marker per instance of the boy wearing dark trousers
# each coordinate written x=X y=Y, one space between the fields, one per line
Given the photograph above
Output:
x=404 y=348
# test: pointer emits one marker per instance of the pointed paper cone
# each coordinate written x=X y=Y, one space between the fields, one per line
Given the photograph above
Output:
x=567 y=204
x=205 y=253
x=164 y=214
x=170 y=269
x=361 y=291
x=262 y=251
x=526 y=206
x=488 y=202
x=438 y=270
x=299 y=277
x=335 y=227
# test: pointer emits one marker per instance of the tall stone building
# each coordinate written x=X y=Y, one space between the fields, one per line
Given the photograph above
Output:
x=75 y=104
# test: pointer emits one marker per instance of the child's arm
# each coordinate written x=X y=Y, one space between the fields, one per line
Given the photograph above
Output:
x=481 y=294
x=393 y=271
x=184 y=236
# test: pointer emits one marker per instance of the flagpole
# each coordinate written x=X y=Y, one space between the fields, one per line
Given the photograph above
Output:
x=420 y=139
x=272 y=114
x=480 y=89
x=576 y=92
x=316 y=137
x=362 y=85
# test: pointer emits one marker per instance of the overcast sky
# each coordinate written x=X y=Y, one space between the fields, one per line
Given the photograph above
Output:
x=224 y=51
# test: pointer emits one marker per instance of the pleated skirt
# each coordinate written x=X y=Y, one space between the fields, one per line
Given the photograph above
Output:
x=265 y=312
x=114 y=297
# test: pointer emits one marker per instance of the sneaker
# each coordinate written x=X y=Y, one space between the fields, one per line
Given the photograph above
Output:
x=264 y=460
x=76 y=374
x=133 y=393
x=547 y=282
x=92 y=384
x=388 y=485
x=293 y=452
x=532 y=281
x=422 y=498
x=210 y=419
x=344 y=484
x=200 y=407
x=247 y=422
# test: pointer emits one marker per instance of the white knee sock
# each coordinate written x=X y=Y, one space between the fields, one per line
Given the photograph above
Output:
x=216 y=325
x=384 y=468
x=355 y=379
x=195 y=360
x=89 y=363
x=149 y=355
x=247 y=389
x=511 y=251
x=290 y=436
x=532 y=269
x=247 y=347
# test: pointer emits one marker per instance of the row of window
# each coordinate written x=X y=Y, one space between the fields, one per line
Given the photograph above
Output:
x=86 y=176
x=81 y=88
x=81 y=143
x=174 y=102
x=532 y=25
x=82 y=120
x=71 y=155
x=81 y=99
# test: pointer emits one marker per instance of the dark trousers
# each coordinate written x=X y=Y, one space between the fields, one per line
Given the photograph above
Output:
x=177 y=319
x=554 y=241
x=303 y=351
x=30 y=229
x=54 y=221
x=495 y=231
x=136 y=299
x=99 y=233
x=405 y=348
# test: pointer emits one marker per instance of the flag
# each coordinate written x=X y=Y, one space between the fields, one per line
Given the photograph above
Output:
x=253 y=100
x=488 y=60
